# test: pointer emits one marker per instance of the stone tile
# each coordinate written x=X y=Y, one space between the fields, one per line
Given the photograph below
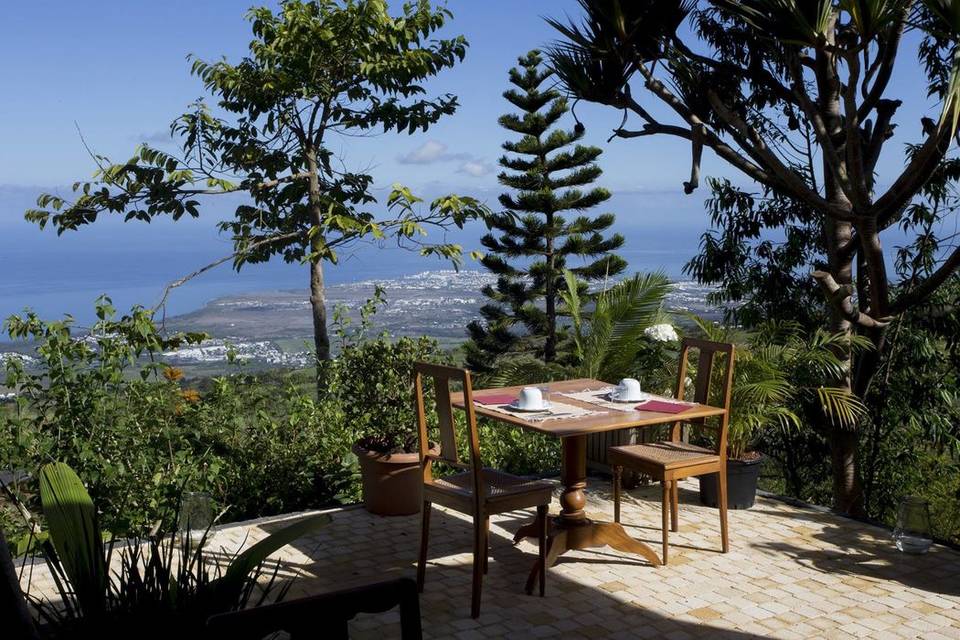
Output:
x=791 y=573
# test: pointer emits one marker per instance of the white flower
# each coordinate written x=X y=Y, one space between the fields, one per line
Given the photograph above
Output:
x=661 y=333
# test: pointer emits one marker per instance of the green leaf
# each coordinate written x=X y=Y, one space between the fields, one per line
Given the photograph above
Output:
x=227 y=589
x=76 y=536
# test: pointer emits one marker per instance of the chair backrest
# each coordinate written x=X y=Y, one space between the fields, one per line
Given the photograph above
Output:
x=442 y=376
x=322 y=616
x=704 y=377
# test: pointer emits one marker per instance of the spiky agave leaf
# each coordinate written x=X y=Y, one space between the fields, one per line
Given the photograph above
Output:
x=227 y=589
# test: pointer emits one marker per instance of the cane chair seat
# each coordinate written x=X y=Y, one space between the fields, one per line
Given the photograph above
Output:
x=668 y=455
x=500 y=486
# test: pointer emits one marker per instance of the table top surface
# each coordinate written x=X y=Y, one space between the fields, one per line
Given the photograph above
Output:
x=612 y=420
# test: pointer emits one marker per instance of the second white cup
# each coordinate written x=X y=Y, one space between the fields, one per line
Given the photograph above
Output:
x=629 y=390
x=531 y=398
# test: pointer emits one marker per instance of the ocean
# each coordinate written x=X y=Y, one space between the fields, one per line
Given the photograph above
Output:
x=133 y=262
x=263 y=310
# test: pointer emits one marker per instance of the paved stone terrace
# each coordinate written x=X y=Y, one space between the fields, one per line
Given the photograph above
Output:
x=792 y=572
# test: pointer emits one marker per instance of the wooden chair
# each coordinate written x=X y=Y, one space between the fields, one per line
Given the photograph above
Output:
x=477 y=491
x=673 y=460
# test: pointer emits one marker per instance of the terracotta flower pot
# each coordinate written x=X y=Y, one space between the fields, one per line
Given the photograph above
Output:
x=392 y=484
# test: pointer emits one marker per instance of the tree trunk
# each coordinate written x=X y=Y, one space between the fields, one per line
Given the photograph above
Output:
x=318 y=305
x=847 y=490
x=318 y=294
x=550 y=295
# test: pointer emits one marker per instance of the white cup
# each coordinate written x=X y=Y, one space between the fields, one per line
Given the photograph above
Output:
x=531 y=398
x=629 y=390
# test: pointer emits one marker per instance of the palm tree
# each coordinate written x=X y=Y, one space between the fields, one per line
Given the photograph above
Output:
x=607 y=334
x=777 y=379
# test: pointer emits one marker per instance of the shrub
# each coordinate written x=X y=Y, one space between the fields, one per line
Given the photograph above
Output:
x=105 y=404
x=138 y=434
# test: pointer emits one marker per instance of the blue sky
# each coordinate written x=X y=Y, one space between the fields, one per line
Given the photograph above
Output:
x=117 y=69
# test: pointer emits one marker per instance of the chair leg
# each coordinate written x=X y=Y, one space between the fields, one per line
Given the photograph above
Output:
x=722 y=482
x=542 y=515
x=424 y=535
x=479 y=553
x=617 y=478
x=486 y=550
x=665 y=512
x=674 y=506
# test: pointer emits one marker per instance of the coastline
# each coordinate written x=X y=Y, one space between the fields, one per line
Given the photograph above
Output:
x=273 y=328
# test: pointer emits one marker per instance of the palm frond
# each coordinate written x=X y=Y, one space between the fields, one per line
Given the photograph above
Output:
x=800 y=22
x=598 y=56
x=873 y=17
x=842 y=406
x=620 y=316
x=525 y=371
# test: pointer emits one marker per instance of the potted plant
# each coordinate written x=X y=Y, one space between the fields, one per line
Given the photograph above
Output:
x=377 y=392
x=372 y=379
x=776 y=374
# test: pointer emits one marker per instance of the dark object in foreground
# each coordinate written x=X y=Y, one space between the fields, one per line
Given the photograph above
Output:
x=13 y=606
x=742 y=476
x=325 y=615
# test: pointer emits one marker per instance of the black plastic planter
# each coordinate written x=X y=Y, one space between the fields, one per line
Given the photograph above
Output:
x=742 y=478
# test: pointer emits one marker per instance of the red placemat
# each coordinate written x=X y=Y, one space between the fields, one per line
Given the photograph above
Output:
x=503 y=398
x=662 y=406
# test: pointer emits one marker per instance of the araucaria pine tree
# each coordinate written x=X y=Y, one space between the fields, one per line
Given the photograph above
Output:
x=531 y=241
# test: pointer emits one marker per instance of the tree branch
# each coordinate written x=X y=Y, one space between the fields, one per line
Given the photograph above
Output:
x=882 y=131
x=888 y=55
x=853 y=146
x=812 y=112
x=923 y=164
x=788 y=178
x=841 y=297
x=927 y=287
x=216 y=263
x=710 y=138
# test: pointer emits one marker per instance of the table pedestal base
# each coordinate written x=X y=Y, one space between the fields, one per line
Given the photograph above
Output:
x=572 y=529
x=566 y=536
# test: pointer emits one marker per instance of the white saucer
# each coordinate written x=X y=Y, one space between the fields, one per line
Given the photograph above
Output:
x=613 y=397
x=516 y=407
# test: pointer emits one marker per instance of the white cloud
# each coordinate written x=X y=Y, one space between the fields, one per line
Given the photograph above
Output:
x=161 y=136
x=429 y=152
x=475 y=168
x=435 y=152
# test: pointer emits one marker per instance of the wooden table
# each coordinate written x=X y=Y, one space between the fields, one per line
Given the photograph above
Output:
x=571 y=529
